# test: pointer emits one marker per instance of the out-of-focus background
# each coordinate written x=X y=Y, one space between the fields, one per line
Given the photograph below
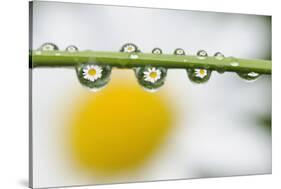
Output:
x=220 y=128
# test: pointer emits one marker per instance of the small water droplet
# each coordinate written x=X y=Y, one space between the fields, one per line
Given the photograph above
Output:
x=201 y=54
x=129 y=48
x=234 y=64
x=199 y=75
x=134 y=56
x=49 y=47
x=71 y=48
x=151 y=78
x=219 y=56
x=249 y=76
x=179 y=51
x=93 y=76
x=156 y=51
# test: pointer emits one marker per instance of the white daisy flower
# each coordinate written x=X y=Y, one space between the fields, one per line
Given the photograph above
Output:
x=200 y=73
x=129 y=48
x=92 y=72
x=152 y=75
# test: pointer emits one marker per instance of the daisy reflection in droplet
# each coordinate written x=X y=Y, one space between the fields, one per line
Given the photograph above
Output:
x=200 y=73
x=152 y=75
x=92 y=72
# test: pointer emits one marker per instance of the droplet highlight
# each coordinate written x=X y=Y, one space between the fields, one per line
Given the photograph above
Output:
x=134 y=56
x=93 y=76
x=151 y=78
x=234 y=64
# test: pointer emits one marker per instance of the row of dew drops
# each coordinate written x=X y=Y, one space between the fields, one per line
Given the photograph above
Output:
x=95 y=76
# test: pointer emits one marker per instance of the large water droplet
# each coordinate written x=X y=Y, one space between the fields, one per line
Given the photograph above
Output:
x=129 y=48
x=201 y=54
x=49 y=47
x=71 y=48
x=151 y=78
x=199 y=75
x=93 y=76
x=249 y=76
x=219 y=56
x=156 y=51
x=179 y=51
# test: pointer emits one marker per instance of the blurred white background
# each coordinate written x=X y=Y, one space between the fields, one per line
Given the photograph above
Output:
x=218 y=132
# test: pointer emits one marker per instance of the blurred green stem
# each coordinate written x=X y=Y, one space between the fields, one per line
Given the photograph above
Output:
x=127 y=60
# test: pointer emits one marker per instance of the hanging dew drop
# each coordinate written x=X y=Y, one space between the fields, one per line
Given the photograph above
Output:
x=249 y=76
x=199 y=75
x=71 y=49
x=93 y=76
x=151 y=78
x=201 y=54
x=219 y=56
x=49 y=47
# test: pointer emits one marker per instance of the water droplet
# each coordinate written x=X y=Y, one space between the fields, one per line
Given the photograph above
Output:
x=49 y=47
x=219 y=56
x=156 y=51
x=199 y=75
x=129 y=48
x=179 y=52
x=201 y=54
x=151 y=78
x=134 y=56
x=93 y=76
x=71 y=48
x=249 y=76
x=234 y=64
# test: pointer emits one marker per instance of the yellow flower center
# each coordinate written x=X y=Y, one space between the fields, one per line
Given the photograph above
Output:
x=92 y=72
x=130 y=48
x=126 y=141
x=202 y=72
x=153 y=75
